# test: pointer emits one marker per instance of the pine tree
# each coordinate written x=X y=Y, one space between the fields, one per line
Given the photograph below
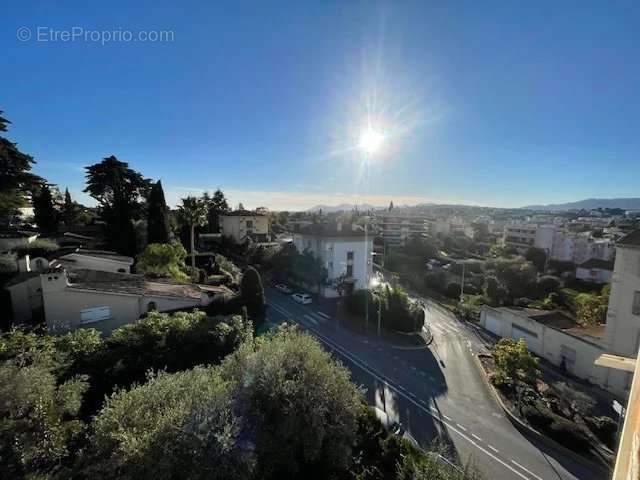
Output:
x=44 y=212
x=158 y=230
x=217 y=206
x=119 y=191
x=16 y=180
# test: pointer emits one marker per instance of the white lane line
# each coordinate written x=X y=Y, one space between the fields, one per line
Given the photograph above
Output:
x=435 y=327
x=324 y=315
x=446 y=416
x=280 y=309
x=493 y=448
x=461 y=427
x=413 y=368
x=311 y=319
x=356 y=361
x=423 y=373
x=433 y=409
x=476 y=437
x=451 y=328
x=318 y=317
x=526 y=469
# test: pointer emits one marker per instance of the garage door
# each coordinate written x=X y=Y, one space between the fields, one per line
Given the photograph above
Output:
x=529 y=337
x=494 y=325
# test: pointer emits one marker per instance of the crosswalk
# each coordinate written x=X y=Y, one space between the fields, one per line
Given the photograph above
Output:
x=445 y=328
x=314 y=318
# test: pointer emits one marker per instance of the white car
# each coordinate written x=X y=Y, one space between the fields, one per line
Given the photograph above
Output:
x=281 y=287
x=302 y=298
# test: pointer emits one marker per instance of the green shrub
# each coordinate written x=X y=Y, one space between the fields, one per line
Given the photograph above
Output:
x=569 y=434
x=39 y=247
x=604 y=428
x=453 y=290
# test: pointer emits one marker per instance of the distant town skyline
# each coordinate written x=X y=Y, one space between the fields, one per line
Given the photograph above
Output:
x=489 y=104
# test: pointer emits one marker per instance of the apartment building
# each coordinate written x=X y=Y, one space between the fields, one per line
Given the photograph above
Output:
x=559 y=244
x=622 y=331
x=343 y=250
x=396 y=229
x=580 y=247
x=523 y=236
x=243 y=225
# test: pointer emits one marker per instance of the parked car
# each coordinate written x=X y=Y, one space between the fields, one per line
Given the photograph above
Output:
x=281 y=287
x=302 y=298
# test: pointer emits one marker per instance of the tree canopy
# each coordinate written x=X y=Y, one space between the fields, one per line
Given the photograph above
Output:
x=44 y=211
x=16 y=179
x=163 y=260
x=120 y=191
x=158 y=230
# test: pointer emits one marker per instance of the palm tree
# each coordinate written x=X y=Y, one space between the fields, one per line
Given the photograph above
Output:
x=192 y=212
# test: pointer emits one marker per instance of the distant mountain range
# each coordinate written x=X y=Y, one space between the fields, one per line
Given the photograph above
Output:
x=590 y=203
x=343 y=207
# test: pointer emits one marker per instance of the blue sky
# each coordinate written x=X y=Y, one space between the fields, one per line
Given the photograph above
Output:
x=491 y=103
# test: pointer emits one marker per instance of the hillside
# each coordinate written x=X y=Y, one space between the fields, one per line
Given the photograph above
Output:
x=590 y=203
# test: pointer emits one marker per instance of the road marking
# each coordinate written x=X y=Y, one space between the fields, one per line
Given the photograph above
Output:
x=451 y=328
x=359 y=363
x=433 y=409
x=446 y=416
x=437 y=328
x=476 y=437
x=423 y=373
x=493 y=448
x=461 y=427
x=311 y=319
x=318 y=317
x=324 y=315
x=413 y=368
x=526 y=469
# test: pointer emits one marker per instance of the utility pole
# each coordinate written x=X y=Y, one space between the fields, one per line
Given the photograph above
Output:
x=366 y=276
x=379 y=312
x=462 y=284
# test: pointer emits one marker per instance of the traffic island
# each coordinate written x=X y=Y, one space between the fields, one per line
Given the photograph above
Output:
x=586 y=450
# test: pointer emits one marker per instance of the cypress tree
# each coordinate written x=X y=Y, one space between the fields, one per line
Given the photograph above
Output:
x=158 y=230
x=44 y=212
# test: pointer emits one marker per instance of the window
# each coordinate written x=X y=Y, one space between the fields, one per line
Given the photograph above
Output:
x=349 y=255
x=249 y=224
x=349 y=270
x=636 y=303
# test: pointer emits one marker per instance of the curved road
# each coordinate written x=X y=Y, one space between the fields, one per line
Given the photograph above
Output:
x=435 y=392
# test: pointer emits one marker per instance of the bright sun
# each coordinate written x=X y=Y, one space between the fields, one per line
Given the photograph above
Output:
x=371 y=140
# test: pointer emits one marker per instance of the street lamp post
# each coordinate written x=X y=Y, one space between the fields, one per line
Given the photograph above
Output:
x=370 y=141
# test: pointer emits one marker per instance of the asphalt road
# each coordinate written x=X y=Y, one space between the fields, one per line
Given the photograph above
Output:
x=436 y=393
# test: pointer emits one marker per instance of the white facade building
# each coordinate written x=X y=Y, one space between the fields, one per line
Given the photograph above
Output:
x=550 y=335
x=523 y=236
x=342 y=250
x=595 y=271
x=622 y=331
x=396 y=229
x=243 y=225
